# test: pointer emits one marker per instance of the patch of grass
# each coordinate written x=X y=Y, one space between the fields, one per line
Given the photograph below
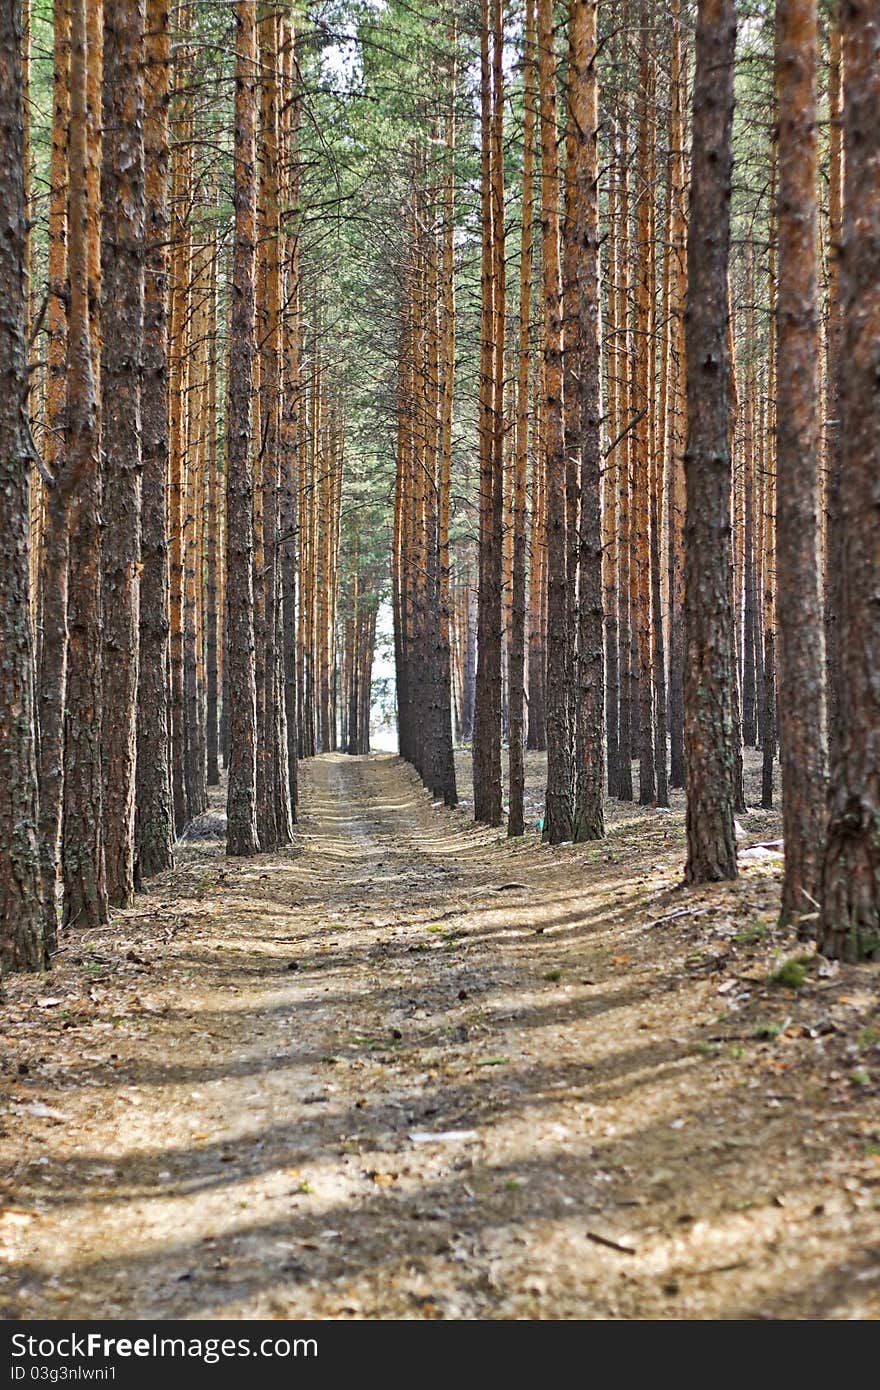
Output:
x=736 y=1051
x=751 y=935
x=708 y=1049
x=868 y=1037
x=767 y=1031
x=792 y=973
x=493 y=1061
x=552 y=975
x=860 y=1077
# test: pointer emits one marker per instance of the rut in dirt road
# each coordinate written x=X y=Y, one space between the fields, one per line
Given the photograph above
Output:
x=409 y=1069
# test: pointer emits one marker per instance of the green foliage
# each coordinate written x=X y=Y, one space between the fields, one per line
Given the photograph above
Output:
x=766 y=1032
x=752 y=935
x=792 y=973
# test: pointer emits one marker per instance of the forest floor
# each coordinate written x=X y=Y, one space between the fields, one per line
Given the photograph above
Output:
x=410 y=1069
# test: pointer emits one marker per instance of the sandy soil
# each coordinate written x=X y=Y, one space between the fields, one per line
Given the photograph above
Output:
x=411 y=1069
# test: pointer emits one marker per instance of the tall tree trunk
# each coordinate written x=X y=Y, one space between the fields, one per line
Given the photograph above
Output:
x=241 y=834
x=799 y=599
x=678 y=391
x=274 y=826
x=609 y=503
x=487 y=695
x=21 y=925
x=122 y=269
x=560 y=770
x=833 y=537
x=516 y=661
x=446 y=768
x=85 y=890
x=213 y=534
x=623 y=454
x=849 y=927
x=292 y=407
x=179 y=367
x=588 y=820
x=154 y=819
x=52 y=665
x=643 y=403
x=709 y=753
x=769 y=710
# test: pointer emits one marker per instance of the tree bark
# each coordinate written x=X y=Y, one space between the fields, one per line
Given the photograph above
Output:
x=241 y=833
x=154 y=817
x=487 y=690
x=85 y=891
x=709 y=753
x=623 y=454
x=21 y=925
x=849 y=927
x=588 y=822
x=516 y=660
x=799 y=598
x=122 y=272
x=833 y=536
x=677 y=407
x=560 y=769
x=52 y=664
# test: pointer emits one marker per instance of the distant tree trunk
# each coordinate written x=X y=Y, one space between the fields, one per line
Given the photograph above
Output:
x=849 y=927
x=537 y=725
x=194 y=453
x=85 y=890
x=799 y=599
x=154 y=819
x=768 y=708
x=560 y=770
x=739 y=791
x=643 y=403
x=516 y=661
x=241 y=835
x=677 y=402
x=21 y=924
x=470 y=662
x=609 y=505
x=589 y=818
x=487 y=691
x=623 y=454
x=709 y=754
x=122 y=252
x=749 y=710
x=179 y=336
x=213 y=534
x=292 y=407
x=446 y=786
x=833 y=537
x=52 y=664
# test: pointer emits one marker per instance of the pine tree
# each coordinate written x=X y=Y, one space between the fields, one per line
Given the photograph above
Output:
x=241 y=807
x=709 y=759
x=799 y=601
x=21 y=925
x=849 y=926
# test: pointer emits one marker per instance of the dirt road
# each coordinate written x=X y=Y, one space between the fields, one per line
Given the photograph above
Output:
x=407 y=1069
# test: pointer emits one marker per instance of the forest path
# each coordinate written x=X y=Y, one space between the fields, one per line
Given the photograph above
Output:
x=408 y=1069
